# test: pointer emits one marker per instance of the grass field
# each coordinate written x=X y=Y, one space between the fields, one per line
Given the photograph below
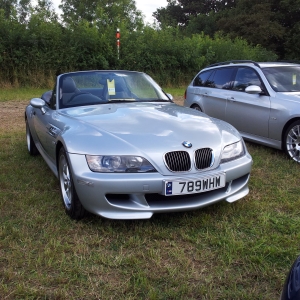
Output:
x=241 y=250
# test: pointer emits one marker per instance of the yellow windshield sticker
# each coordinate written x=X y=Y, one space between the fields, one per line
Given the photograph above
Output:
x=294 y=79
x=111 y=87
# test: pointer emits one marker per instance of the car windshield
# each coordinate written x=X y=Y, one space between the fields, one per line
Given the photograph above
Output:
x=100 y=87
x=283 y=78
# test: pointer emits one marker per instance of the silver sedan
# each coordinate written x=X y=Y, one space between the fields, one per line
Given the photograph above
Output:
x=261 y=100
x=122 y=149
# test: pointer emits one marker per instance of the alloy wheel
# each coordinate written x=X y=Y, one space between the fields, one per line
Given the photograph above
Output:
x=293 y=143
x=65 y=181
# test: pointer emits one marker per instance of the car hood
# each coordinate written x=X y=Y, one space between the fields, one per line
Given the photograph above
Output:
x=289 y=96
x=146 y=129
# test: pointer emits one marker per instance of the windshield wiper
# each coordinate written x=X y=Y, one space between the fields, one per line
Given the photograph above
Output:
x=157 y=100
x=122 y=100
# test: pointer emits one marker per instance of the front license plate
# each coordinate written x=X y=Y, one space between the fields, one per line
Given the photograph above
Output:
x=192 y=186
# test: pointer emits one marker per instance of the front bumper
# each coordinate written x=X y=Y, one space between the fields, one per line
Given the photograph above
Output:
x=139 y=195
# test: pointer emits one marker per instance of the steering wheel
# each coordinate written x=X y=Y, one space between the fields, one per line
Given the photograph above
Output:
x=77 y=94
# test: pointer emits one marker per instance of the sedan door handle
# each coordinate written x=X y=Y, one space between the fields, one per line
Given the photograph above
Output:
x=231 y=99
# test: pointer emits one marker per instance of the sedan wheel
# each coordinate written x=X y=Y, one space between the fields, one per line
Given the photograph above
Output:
x=32 y=149
x=71 y=202
x=292 y=141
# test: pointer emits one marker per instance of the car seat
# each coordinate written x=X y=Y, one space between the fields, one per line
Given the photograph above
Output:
x=68 y=89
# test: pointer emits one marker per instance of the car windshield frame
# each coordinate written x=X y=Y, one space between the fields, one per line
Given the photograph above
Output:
x=283 y=78
x=102 y=87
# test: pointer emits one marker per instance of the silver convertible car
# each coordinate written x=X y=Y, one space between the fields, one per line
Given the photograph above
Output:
x=122 y=149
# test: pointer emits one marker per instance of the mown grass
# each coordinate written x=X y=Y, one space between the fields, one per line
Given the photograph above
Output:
x=13 y=94
x=225 y=251
x=175 y=92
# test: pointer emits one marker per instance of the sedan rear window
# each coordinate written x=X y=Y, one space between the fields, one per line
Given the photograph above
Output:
x=201 y=78
x=222 y=78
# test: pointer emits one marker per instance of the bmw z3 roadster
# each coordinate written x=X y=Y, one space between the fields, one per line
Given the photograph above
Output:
x=122 y=149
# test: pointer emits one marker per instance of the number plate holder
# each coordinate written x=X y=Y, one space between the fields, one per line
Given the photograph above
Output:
x=203 y=183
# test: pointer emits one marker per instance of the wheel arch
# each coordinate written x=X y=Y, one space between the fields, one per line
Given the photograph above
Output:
x=286 y=126
x=71 y=201
x=59 y=145
x=194 y=104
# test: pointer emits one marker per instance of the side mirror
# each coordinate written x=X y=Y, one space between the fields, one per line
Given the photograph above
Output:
x=253 y=89
x=38 y=103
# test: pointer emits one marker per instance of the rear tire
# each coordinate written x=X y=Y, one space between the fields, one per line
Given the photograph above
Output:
x=71 y=202
x=32 y=149
x=292 y=141
x=196 y=107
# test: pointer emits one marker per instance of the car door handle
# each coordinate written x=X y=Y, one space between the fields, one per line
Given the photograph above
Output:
x=231 y=99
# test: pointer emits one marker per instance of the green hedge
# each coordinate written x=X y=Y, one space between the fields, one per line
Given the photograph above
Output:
x=33 y=54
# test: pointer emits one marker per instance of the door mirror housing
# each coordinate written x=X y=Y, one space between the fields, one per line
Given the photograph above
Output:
x=253 y=89
x=38 y=103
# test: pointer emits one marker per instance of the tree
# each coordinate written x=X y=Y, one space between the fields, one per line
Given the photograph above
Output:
x=286 y=13
x=8 y=6
x=101 y=12
x=252 y=20
x=22 y=10
x=172 y=15
x=45 y=10
x=273 y=24
x=270 y=23
x=180 y=12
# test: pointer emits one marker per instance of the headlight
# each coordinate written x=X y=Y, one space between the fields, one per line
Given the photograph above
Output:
x=118 y=164
x=233 y=151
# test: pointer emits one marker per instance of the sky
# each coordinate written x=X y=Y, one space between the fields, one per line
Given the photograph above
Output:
x=147 y=7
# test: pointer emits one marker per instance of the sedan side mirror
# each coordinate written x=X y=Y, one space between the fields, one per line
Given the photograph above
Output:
x=253 y=89
x=38 y=103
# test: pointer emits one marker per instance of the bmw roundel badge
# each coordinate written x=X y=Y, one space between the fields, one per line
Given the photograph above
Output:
x=187 y=144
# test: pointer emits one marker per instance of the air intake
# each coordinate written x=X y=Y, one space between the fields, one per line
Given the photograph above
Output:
x=178 y=161
x=204 y=158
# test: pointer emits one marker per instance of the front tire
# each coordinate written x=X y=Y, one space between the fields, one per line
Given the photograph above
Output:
x=71 y=202
x=292 y=141
x=32 y=149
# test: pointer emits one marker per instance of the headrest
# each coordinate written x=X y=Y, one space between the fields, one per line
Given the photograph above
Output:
x=68 y=85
